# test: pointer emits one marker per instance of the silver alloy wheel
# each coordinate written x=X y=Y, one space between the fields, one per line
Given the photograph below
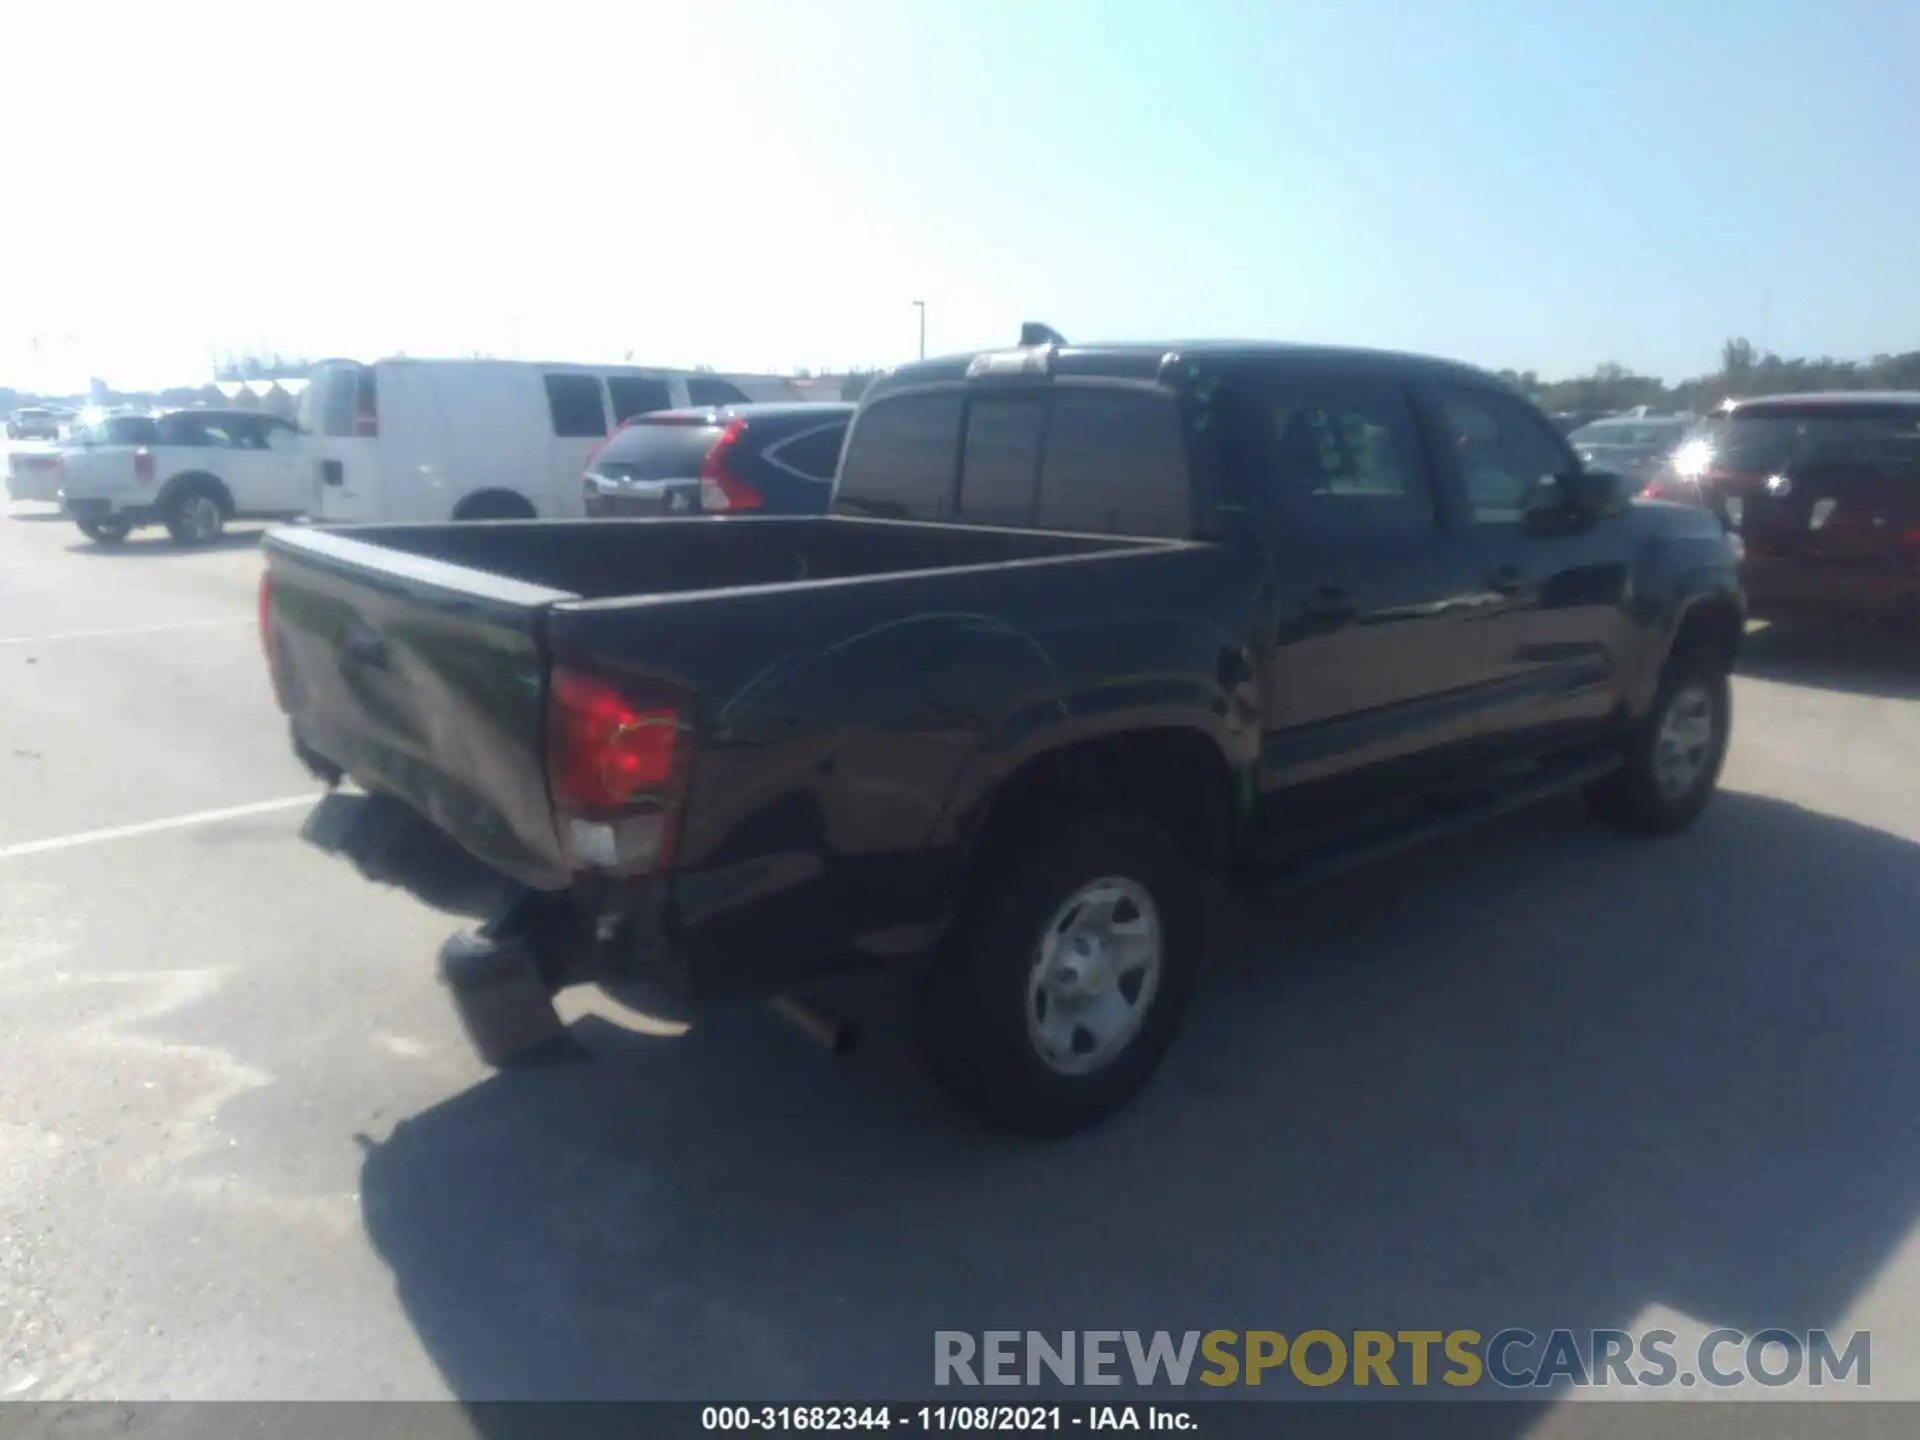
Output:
x=1683 y=747
x=1096 y=971
x=200 y=517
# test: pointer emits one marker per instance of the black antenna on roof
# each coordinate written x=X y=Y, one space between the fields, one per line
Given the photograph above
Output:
x=1034 y=333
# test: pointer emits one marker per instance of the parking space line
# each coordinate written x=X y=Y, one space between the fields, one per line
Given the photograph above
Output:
x=123 y=630
x=149 y=827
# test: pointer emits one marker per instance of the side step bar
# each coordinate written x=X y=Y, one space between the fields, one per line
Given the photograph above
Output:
x=1315 y=866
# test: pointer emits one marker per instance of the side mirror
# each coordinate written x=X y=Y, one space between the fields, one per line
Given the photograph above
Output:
x=1596 y=494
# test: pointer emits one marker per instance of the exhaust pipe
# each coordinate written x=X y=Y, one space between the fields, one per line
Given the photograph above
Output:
x=836 y=1037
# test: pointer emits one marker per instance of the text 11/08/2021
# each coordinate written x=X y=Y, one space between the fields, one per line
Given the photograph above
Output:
x=941 y=1419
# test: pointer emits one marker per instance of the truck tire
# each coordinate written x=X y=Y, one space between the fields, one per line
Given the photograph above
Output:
x=104 y=532
x=1675 y=754
x=1066 y=983
x=195 y=514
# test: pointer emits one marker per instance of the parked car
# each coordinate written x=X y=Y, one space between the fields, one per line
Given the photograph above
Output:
x=190 y=470
x=768 y=459
x=33 y=422
x=1572 y=420
x=33 y=474
x=1132 y=611
x=473 y=439
x=1635 y=448
x=1824 y=492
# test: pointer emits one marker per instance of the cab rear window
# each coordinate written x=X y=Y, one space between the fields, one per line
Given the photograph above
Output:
x=1100 y=459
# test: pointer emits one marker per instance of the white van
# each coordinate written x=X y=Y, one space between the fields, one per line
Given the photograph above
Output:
x=473 y=439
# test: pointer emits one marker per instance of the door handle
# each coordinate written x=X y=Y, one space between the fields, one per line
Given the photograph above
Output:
x=1507 y=580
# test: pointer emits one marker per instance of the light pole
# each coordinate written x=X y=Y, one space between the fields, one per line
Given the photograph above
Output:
x=921 y=306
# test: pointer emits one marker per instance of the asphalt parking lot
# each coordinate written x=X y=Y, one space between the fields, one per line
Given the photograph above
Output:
x=1543 y=1076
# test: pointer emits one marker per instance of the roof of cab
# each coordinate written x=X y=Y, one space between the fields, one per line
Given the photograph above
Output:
x=1146 y=360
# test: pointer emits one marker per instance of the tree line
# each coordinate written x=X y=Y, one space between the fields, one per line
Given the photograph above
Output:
x=1743 y=371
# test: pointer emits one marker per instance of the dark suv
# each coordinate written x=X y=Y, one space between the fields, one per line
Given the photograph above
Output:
x=1824 y=492
x=719 y=459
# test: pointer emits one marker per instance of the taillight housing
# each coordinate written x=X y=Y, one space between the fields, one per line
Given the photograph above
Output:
x=722 y=491
x=266 y=638
x=617 y=768
x=143 y=465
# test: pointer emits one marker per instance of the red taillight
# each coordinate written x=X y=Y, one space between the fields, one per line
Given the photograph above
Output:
x=615 y=768
x=266 y=637
x=720 y=489
x=143 y=465
x=603 y=751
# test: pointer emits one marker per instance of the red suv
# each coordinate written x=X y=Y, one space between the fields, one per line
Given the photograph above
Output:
x=1824 y=492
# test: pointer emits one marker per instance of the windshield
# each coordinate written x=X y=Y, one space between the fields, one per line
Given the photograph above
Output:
x=657 y=451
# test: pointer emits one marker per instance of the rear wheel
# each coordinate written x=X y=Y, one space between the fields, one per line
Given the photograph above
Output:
x=1069 y=980
x=1674 y=757
x=195 y=517
x=104 y=532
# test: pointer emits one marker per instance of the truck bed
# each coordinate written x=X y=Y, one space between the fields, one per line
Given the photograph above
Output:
x=632 y=559
x=415 y=658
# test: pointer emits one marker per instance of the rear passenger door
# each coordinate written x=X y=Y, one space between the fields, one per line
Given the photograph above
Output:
x=800 y=466
x=1376 y=664
x=1551 y=602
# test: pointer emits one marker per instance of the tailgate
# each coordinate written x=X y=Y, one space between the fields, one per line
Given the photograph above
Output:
x=97 y=470
x=421 y=680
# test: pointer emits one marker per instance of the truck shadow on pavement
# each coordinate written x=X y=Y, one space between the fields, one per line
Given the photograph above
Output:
x=157 y=544
x=1848 y=658
x=1544 y=1076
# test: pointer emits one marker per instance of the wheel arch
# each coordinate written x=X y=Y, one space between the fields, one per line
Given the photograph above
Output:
x=187 y=481
x=1177 y=772
x=495 y=503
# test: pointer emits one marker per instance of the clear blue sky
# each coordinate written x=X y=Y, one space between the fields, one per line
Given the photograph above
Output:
x=1534 y=184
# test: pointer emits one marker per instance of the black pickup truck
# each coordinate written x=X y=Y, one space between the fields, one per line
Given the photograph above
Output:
x=1085 y=619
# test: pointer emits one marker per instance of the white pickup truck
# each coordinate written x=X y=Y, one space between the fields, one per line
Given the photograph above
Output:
x=190 y=470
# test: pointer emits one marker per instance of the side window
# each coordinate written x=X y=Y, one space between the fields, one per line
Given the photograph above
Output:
x=813 y=453
x=703 y=390
x=1507 y=456
x=1114 y=463
x=576 y=406
x=633 y=395
x=194 y=432
x=999 y=466
x=132 y=430
x=901 y=458
x=1343 y=457
x=281 y=436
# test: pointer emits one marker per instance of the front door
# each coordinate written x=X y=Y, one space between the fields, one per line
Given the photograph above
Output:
x=1374 y=664
x=1551 y=602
